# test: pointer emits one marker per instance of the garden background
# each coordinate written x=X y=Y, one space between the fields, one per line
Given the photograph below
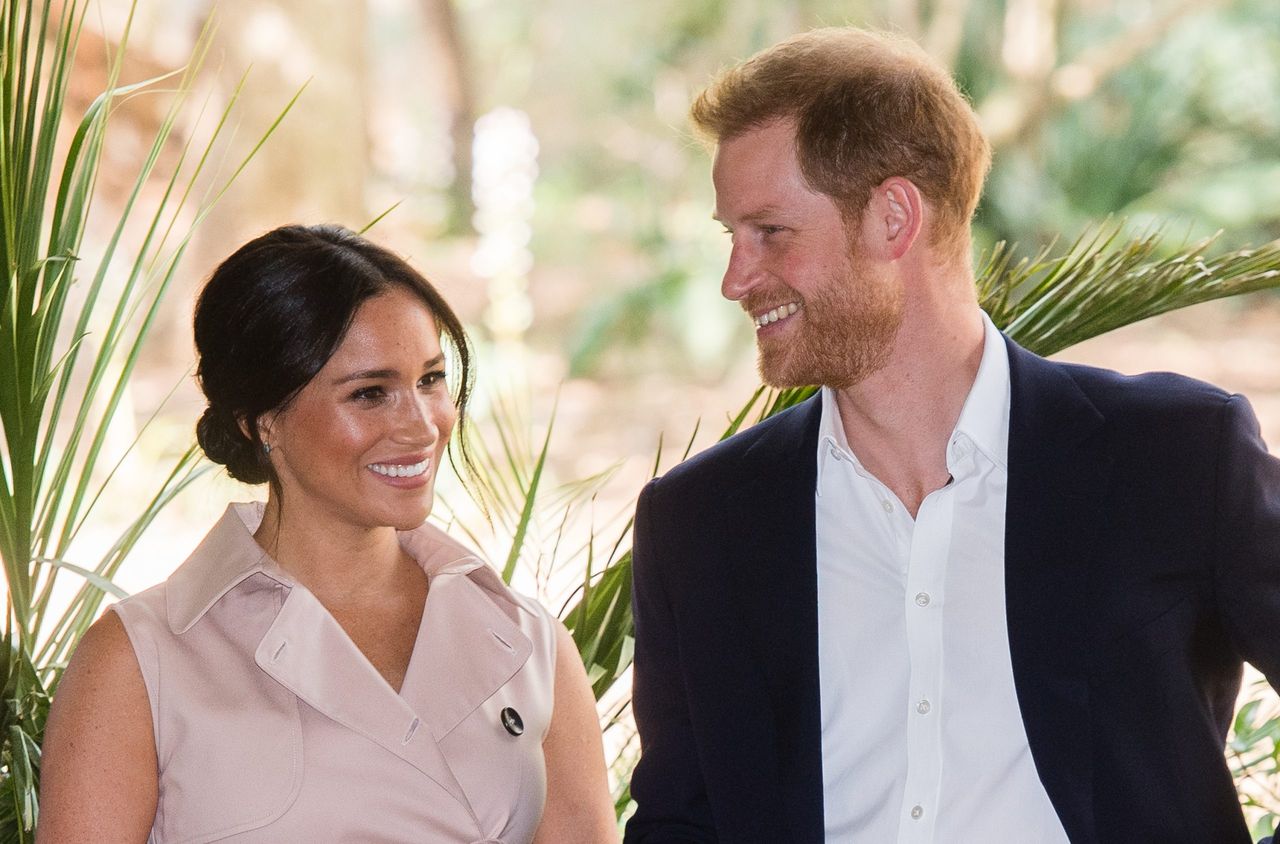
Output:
x=534 y=161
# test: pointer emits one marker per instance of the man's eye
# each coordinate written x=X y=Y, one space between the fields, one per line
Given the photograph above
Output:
x=771 y=229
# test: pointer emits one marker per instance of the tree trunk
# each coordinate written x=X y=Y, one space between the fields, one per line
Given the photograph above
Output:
x=447 y=47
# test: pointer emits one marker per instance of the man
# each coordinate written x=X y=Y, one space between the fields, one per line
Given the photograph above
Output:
x=964 y=594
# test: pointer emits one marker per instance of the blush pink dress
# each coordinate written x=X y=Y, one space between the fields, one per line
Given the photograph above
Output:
x=271 y=726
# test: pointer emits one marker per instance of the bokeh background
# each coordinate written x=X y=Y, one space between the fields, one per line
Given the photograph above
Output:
x=533 y=159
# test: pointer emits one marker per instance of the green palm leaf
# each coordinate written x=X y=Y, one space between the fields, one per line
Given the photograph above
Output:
x=72 y=328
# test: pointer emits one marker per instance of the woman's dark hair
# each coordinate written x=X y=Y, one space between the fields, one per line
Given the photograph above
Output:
x=273 y=314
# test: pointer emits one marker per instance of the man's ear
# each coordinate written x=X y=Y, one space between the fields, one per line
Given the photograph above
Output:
x=898 y=209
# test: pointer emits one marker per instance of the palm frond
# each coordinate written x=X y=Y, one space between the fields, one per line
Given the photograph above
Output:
x=1103 y=282
x=72 y=329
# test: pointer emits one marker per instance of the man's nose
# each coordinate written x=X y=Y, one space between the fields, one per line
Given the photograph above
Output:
x=741 y=274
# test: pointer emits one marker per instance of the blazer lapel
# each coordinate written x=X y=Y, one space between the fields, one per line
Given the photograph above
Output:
x=775 y=573
x=1058 y=473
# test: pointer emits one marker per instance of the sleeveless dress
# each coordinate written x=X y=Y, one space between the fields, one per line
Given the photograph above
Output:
x=271 y=725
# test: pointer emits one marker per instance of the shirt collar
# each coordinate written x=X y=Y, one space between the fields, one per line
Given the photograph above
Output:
x=832 y=443
x=984 y=418
x=229 y=555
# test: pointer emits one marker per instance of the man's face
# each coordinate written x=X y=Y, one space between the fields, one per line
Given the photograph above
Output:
x=823 y=314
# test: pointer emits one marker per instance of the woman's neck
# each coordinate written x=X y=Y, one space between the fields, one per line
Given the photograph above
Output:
x=339 y=563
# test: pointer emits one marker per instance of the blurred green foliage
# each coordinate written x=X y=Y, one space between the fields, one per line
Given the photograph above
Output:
x=1152 y=110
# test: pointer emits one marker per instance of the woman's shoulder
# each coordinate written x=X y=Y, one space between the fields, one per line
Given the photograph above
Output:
x=99 y=720
x=105 y=648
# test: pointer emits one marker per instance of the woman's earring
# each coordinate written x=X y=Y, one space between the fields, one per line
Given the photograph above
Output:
x=266 y=448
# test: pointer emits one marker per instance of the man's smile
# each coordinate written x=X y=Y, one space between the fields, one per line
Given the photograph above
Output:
x=775 y=314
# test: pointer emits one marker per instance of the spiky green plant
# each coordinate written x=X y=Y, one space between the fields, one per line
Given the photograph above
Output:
x=72 y=327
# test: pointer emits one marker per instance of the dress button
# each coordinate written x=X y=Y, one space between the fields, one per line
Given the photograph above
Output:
x=922 y=599
x=917 y=812
x=923 y=707
x=511 y=721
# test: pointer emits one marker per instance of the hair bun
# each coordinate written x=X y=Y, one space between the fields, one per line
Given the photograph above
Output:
x=224 y=443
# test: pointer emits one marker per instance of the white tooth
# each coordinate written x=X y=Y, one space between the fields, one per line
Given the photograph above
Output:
x=792 y=308
x=401 y=470
x=773 y=315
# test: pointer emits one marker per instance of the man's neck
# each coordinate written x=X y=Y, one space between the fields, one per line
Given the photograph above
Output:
x=899 y=419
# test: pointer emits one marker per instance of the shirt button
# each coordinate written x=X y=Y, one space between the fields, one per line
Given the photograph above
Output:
x=887 y=505
x=922 y=599
x=917 y=812
x=923 y=707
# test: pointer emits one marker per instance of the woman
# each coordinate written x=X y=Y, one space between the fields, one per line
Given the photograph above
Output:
x=327 y=667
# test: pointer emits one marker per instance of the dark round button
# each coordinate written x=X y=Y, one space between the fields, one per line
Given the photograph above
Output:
x=511 y=721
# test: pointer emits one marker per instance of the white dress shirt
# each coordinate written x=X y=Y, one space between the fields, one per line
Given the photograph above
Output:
x=922 y=738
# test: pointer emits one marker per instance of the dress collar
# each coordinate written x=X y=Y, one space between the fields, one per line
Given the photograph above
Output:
x=229 y=555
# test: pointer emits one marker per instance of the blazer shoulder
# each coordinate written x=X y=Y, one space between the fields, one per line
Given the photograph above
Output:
x=1164 y=393
x=1113 y=393
x=780 y=437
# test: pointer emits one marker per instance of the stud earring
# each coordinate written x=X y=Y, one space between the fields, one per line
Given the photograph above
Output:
x=266 y=448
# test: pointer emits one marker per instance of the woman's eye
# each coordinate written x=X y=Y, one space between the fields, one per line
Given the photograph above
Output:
x=368 y=394
x=433 y=378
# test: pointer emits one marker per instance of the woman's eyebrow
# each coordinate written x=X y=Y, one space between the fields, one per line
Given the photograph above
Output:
x=375 y=374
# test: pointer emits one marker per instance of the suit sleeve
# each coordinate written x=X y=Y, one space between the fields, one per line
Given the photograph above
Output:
x=668 y=784
x=1247 y=536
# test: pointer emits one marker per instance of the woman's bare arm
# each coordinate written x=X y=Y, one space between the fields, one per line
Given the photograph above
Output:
x=579 y=809
x=98 y=761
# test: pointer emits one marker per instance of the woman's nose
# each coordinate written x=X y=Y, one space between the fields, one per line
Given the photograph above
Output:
x=418 y=423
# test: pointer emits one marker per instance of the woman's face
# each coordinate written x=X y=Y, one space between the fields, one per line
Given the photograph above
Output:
x=361 y=443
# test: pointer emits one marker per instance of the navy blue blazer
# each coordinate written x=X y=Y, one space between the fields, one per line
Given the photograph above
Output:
x=1142 y=568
